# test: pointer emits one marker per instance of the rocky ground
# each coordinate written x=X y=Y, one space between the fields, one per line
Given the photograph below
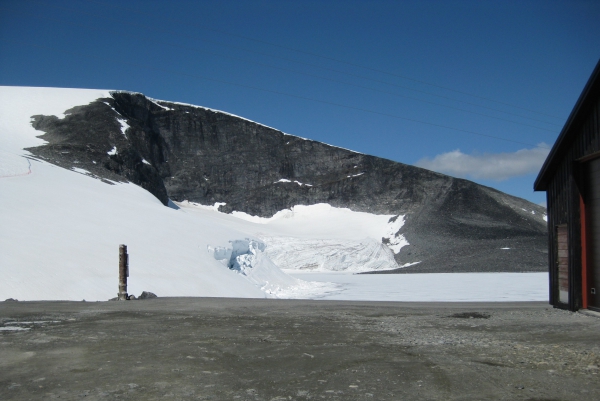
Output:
x=240 y=349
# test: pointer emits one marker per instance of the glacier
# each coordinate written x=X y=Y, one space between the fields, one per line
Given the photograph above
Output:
x=329 y=254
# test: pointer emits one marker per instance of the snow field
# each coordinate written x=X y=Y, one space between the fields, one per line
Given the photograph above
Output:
x=61 y=231
x=437 y=287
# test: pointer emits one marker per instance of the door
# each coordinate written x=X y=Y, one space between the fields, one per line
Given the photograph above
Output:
x=562 y=245
x=592 y=212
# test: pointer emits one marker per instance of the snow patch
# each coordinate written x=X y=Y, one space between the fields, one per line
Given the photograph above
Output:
x=33 y=322
x=146 y=162
x=80 y=170
x=545 y=217
x=410 y=264
x=297 y=182
x=355 y=175
x=13 y=328
x=158 y=104
x=113 y=151
x=214 y=207
x=124 y=126
x=394 y=240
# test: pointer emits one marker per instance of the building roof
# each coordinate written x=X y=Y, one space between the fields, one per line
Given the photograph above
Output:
x=588 y=96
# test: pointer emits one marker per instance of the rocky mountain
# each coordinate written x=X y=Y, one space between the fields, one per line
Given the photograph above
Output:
x=184 y=152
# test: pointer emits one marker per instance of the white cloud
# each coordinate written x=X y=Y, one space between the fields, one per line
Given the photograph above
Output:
x=492 y=166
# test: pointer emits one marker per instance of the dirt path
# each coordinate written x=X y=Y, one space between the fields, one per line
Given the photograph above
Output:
x=239 y=349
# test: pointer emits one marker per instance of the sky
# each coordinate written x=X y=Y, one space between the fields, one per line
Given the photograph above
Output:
x=473 y=89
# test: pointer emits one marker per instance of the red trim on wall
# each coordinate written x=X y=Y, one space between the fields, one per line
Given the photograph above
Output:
x=584 y=272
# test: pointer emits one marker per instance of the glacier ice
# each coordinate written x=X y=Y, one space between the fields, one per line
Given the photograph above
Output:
x=329 y=254
x=247 y=257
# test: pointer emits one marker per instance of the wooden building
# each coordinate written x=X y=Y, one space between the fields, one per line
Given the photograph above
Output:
x=571 y=178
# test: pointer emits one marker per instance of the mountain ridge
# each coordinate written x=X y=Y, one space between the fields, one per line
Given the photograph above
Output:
x=185 y=152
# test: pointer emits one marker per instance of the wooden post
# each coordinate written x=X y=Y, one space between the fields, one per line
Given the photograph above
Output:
x=123 y=272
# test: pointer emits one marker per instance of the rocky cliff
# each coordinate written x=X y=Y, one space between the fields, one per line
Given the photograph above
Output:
x=183 y=152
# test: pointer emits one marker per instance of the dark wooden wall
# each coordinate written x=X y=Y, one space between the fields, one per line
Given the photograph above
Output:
x=563 y=197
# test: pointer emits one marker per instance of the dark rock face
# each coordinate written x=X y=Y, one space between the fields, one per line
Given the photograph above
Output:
x=84 y=139
x=183 y=152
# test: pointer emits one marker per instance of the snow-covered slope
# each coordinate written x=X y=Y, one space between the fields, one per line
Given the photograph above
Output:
x=60 y=229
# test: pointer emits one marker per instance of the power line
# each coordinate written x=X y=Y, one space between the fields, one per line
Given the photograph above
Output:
x=275 y=92
x=321 y=77
x=331 y=59
x=154 y=29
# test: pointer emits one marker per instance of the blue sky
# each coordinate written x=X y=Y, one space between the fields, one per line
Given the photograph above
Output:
x=469 y=88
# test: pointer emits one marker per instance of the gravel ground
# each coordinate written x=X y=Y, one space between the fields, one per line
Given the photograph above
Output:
x=240 y=349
